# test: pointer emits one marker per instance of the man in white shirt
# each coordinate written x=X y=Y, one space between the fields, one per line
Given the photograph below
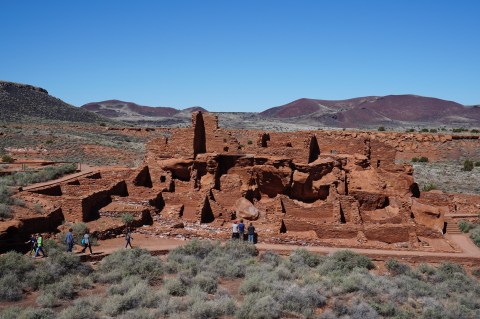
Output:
x=235 y=234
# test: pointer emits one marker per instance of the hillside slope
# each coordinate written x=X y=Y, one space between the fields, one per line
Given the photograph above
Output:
x=25 y=103
x=377 y=110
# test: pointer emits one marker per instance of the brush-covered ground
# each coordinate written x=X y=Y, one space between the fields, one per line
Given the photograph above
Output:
x=211 y=280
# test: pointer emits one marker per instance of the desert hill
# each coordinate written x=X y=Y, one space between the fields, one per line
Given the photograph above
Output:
x=132 y=112
x=377 y=110
x=24 y=103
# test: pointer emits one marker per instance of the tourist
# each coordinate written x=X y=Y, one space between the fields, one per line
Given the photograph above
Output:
x=241 y=229
x=33 y=244
x=86 y=242
x=128 y=238
x=69 y=240
x=251 y=233
x=235 y=230
x=40 y=246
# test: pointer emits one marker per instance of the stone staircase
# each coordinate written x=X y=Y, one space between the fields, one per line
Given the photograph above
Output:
x=452 y=227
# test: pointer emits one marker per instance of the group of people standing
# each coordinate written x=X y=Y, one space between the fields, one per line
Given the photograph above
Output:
x=238 y=231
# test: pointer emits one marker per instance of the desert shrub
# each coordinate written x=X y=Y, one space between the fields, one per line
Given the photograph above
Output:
x=38 y=208
x=196 y=248
x=396 y=268
x=423 y=159
x=467 y=166
x=447 y=270
x=428 y=187
x=465 y=226
x=5 y=193
x=344 y=261
x=127 y=218
x=432 y=130
x=257 y=283
x=18 y=202
x=131 y=262
x=48 y=300
x=78 y=230
x=270 y=258
x=256 y=306
x=139 y=295
x=16 y=263
x=206 y=282
x=176 y=287
x=216 y=308
x=414 y=159
x=475 y=236
x=249 y=142
x=5 y=211
x=7 y=159
x=381 y=128
x=361 y=310
x=410 y=130
x=301 y=300
x=62 y=290
x=11 y=287
x=424 y=130
x=78 y=312
x=27 y=313
x=302 y=257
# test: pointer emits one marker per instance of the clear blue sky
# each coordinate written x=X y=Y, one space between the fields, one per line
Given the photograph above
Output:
x=242 y=55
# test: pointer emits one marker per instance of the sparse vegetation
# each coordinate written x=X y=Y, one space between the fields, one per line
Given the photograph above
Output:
x=7 y=159
x=423 y=159
x=127 y=218
x=381 y=128
x=468 y=165
x=271 y=286
x=429 y=187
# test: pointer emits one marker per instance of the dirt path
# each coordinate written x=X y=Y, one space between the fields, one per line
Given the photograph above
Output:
x=470 y=254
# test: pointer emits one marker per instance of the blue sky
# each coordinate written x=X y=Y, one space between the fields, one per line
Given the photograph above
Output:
x=242 y=55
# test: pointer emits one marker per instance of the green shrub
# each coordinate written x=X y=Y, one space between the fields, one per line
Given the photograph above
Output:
x=477 y=164
x=414 y=159
x=38 y=208
x=256 y=306
x=423 y=159
x=206 y=282
x=5 y=211
x=396 y=268
x=270 y=258
x=475 y=236
x=139 y=295
x=467 y=166
x=302 y=257
x=474 y=130
x=127 y=218
x=216 y=308
x=48 y=300
x=249 y=142
x=176 y=287
x=428 y=187
x=123 y=263
x=424 y=130
x=27 y=313
x=410 y=130
x=19 y=202
x=5 y=193
x=301 y=300
x=345 y=261
x=465 y=226
x=11 y=287
x=381 y=128
x=7 y=159
x=432 y=130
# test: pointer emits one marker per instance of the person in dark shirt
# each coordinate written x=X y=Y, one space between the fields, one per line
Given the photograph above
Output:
x=251 y=233
x=241 y=229
x=69 y=241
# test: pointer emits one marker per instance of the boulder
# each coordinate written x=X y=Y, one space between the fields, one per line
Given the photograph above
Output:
x=246 y=210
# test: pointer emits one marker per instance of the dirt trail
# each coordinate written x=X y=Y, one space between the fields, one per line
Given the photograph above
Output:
x=470 y=254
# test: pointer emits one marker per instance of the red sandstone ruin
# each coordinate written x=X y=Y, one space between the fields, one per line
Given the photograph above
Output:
x=318 y=186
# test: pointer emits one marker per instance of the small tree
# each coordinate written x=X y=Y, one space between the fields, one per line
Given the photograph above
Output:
x=467 y=165
x=381 y=128
x=127 y=219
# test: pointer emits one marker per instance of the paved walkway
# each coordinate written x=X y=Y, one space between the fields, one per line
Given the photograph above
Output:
x=158 y=246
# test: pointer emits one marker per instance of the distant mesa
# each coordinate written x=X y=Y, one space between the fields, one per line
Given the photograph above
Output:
x=129 y=110
x=27 y=103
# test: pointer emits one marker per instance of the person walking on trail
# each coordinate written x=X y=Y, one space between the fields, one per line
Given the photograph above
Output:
x=251 y=233
x=40 y=246
x=235 y=230
x=241 y=229
x=69 y=241
x=128 y=239
x=86 y=242
x=33 y=244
